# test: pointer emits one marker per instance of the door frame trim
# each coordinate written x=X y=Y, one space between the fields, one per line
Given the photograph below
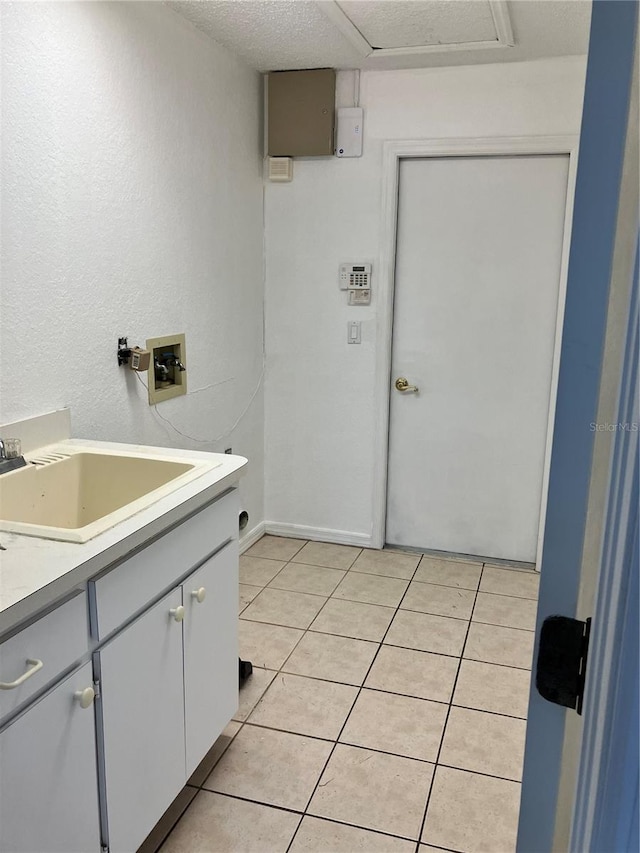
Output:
x=393 y=151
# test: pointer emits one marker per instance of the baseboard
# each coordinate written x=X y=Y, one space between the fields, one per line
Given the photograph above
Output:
x=318 y=534
x=250 y=538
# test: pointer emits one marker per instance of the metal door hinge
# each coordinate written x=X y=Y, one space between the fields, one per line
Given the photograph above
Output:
x=562 y=660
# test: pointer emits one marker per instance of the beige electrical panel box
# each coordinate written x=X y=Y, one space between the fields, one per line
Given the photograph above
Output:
x=301 y=109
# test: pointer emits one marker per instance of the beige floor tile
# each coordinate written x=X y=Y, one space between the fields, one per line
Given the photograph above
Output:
x=393 y=564
x=215 y=754
x=373 y=790
x=271 y=767
x=426 y=848
x=327 y=554
x=427 y=633
x=300 y=578
x=247 y=594
x=332 y=658
x=371 y=589
x=420 y=674
x=510 y=582
x=258 y=571
x=486 y=687
x=399 y=724
x=494 y=644
x=165 y=825
x=484 y=743
x=280 y=607
x=353 y=619
x=218 y=824
x=439 y=600
x=449 y=573
x=276 y=548
x=267 y=646
x=306 y=706
x=252 y=690
x=505 y=610
x=472 y=813
x=325 y=836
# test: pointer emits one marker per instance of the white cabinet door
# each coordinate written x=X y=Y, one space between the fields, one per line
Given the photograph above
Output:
x=48 y=776
x=210 y=651
x=142 y=722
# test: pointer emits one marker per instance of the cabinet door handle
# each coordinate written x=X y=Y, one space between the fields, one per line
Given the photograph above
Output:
x=34 y=666
x=177 y=613
x=85 y=697
x=199 y=594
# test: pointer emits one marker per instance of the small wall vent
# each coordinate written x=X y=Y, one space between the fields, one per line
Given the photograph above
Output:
x=280 y=168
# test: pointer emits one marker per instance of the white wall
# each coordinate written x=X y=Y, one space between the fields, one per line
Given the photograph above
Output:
x=131 y=205
x=320 y=391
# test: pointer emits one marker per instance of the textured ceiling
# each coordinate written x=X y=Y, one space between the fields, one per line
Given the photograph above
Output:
x=401 y=23
x=287 y=34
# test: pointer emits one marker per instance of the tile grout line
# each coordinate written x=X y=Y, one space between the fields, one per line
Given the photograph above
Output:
x=391 y=577
x=389 y=646
x=314 y=817
x=304 y=630
x=404 y=610
x=242 y=723
x=332 y=750
x=398 y=607
x=446 y=722
x=381 y=751
x=346 y=719
x=318 y=595
x=281 y=670
x=360 y=687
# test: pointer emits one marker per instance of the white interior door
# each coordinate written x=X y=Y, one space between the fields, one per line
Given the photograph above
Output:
x=478 y=261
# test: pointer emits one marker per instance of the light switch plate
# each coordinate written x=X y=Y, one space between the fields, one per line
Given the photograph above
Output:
x=354 y=332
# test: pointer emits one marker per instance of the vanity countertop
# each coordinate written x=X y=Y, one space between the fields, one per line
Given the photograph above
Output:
x=35 y=572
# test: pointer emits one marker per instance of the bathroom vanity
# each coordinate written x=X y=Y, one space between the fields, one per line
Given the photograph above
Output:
x=118 y=663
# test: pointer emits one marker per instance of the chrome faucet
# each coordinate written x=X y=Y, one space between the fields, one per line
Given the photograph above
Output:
x=9 y=448
x=11 y=455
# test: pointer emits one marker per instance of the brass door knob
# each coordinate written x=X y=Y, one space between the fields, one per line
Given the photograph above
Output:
x=402 y=384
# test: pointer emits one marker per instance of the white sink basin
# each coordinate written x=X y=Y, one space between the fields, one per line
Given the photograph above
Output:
x=75 y=494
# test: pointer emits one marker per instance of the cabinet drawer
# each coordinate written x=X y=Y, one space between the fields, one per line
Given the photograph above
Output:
x=129 y=587
x=58 y=639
